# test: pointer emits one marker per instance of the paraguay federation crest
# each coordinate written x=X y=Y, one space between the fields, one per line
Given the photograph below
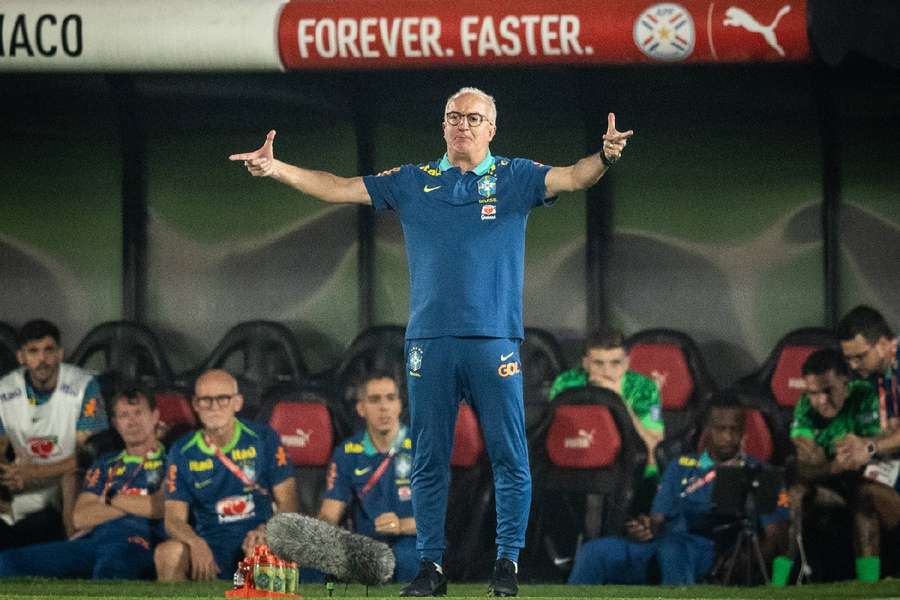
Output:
x=487 y=186
x=415 y=361
x=665 y=32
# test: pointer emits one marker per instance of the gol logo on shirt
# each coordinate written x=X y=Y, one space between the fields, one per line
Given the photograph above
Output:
x=488 y=212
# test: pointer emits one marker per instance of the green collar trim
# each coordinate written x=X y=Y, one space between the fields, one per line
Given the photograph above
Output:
x=239 y=428
x=369 y=448
x=479 y=170
x=132 y=458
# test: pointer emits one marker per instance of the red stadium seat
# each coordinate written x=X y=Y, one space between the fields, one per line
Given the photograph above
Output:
x=585 y=456
x=757 y=441
x=468 y=446
x=306 y=424
x=583 y=437
x=305 y=431
x=673 y=360
x=777 y=385
x=176 y=415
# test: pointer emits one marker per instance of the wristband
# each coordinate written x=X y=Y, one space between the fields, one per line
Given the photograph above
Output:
x=607 y=161
x=110 y=494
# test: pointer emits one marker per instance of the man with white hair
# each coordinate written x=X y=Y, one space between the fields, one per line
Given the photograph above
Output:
x=463 y=219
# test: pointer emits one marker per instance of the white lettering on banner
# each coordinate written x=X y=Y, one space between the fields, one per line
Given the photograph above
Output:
x=45 y=36
x=346 y=37
x=548 y=35
x=420 y=37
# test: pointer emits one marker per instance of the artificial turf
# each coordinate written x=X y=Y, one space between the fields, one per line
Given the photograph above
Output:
x=51 y=589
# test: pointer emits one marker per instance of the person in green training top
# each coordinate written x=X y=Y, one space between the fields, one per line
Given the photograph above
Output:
x=605 y=364
x=832 y=408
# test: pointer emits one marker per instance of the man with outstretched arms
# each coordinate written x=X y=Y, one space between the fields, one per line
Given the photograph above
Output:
x=463 y=219
x=47 y=409
x=230 y=475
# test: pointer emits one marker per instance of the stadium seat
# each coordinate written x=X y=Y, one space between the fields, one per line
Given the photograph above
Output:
x=176 y=416
x=758 y=442
x=470 y=518
x=123 y=351
x=261 y=355
x=542 y=360
x=8 y=348
x=305 y=421
x=585 y=456
x=378 y=348
x=673 y=360
x=778 y=384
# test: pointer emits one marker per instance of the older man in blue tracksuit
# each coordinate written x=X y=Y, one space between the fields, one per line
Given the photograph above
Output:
x=463 y=219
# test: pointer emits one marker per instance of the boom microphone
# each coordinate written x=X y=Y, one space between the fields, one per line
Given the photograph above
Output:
x=314 y=543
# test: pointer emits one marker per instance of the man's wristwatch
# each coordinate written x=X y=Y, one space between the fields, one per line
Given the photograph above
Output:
x=872 y=449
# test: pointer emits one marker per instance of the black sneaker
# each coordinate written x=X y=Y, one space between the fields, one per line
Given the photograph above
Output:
x=429 y=582
x=503 y=581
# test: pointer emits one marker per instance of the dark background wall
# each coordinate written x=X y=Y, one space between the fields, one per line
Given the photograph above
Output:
x=719 y=221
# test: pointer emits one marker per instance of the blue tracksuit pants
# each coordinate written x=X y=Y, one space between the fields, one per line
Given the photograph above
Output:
x=86 y=557
x=684 y=559
x=487 y=372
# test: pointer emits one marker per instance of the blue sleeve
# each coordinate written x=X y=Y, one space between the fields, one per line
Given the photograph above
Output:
x=93 y=411
x=530 y=182
x=177 y=486
x=667 y=496
x=339 y=485
x=387 y=188
x=279 y=465
x=95 y=478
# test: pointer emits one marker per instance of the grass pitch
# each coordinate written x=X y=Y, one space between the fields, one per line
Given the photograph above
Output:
x=51 y=589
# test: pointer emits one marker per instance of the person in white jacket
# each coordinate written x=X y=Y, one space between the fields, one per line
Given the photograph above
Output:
x=47 y=409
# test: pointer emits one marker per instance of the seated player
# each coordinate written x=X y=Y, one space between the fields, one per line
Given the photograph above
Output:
x=371 y=470
x=229 y=475
x=605 y=364
x=832 y=409
x=118 y=514
x=679 y=533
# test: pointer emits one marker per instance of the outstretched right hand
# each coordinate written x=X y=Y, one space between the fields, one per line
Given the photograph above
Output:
x=260 y=163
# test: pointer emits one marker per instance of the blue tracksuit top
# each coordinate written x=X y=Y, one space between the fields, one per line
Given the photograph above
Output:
x=465 y=242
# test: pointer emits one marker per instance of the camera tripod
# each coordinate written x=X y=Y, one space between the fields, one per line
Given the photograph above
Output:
x=747 y=545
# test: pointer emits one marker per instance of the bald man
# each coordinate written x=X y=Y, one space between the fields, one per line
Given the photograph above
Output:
x=227 y=476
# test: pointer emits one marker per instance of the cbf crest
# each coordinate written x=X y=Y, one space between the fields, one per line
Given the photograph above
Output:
x=415 y=361
x=487 y=186
x=403 y=466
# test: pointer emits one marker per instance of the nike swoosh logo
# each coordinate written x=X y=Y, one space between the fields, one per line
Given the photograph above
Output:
x=429 y=188
x=359 y=472
x=202 y=484
x=504 y=357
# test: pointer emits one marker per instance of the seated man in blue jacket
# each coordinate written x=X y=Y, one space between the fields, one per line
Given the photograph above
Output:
x=371 y=470
x=678 y=533
x=118 y=514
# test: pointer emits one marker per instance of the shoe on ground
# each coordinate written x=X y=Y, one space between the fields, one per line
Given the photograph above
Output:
x=504 y=582
x=428 y=582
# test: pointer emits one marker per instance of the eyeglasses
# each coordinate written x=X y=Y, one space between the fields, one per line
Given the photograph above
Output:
x=474 y=119
x=221 y=400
